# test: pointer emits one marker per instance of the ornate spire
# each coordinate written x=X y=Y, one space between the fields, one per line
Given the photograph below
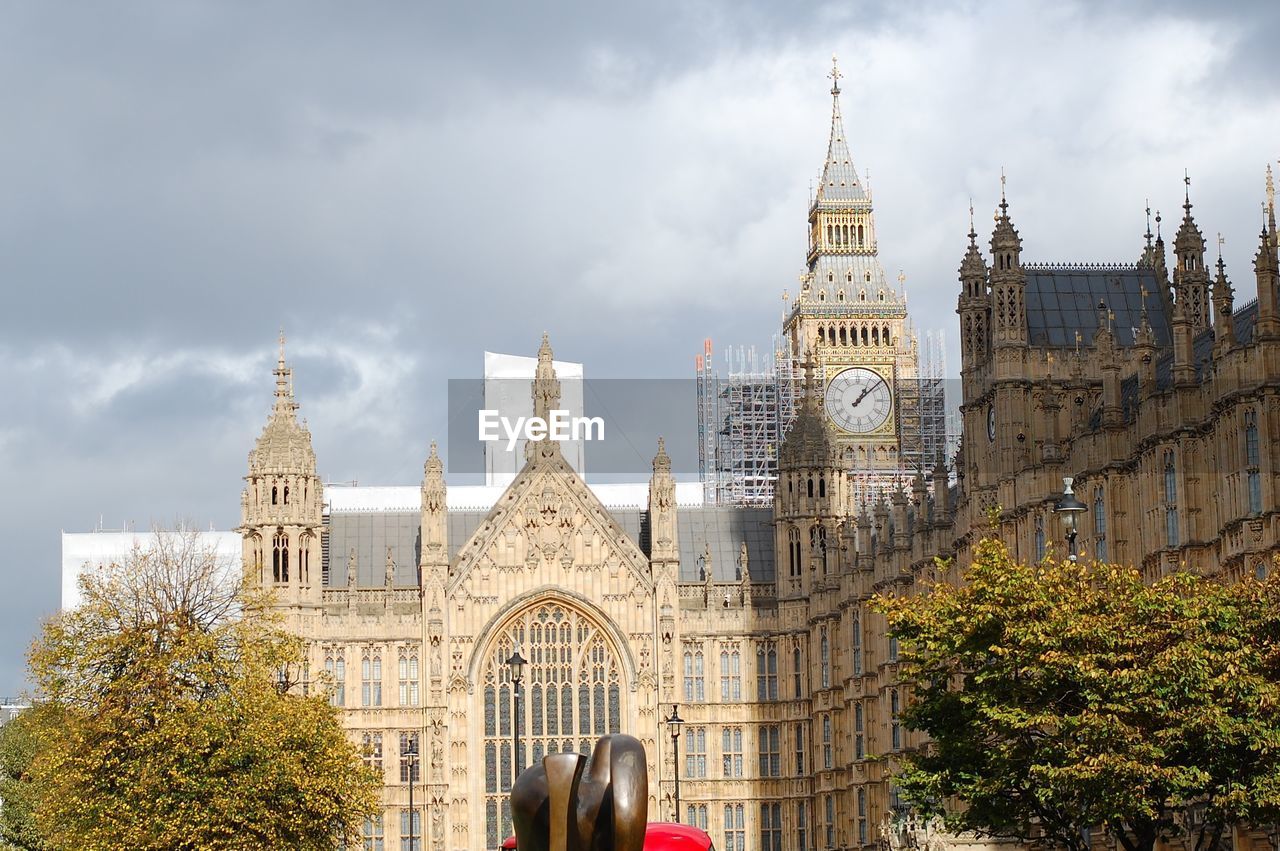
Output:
x=1004 y=238
x=662 y=461
x=546 y=387
x=808 y=442
x=1223 y=305
x=973 y=265
x=1271 y=202
x=839 y=176
x=284 y=383
x=284 y=444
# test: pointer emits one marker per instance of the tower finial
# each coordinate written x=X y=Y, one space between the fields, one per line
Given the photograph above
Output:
x=1220 y=244
x=284 y=378
x=835 y=75
x=1004 y=203
x=973 y=233
x=1186 y=191
x=1148 y=233
x=1271 y=200
x=1158 y=226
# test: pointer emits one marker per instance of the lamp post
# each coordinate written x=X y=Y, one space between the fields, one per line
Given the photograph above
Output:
x=1070 y=508
x=675 y=721
x=516 y=663
x=411 y=755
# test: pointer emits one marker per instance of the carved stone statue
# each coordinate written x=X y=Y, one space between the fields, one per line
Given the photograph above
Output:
x=574 y=803
x=351 y=568
x=391 y=568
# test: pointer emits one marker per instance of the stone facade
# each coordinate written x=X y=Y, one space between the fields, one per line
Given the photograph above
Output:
x=1161 y=401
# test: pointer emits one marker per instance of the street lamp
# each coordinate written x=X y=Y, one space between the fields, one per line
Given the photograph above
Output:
x=411 y=756
x=675 y=721
x=1070 y=508
x=516 y=663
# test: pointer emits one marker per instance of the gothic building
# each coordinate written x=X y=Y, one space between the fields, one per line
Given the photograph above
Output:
x=1144 y=384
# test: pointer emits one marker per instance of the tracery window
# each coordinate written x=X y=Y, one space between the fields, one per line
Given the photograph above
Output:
x=1171 y=500
x=694 y=677
x=410 y=758
x=1040 y=544
x=571 y=695
x=824 y=651
x=895 y=726
x=371 y=681
x=793 y=548
x=730 y=676
x=735 y=828
x=695 y=753
x=797 y=673
x=857 y=642
x=731 y=751
x=697 y=814
x=771 y=826
x=1251 y=460
x=1099 y=525
x=336 y=668
x=371 y=750
x=859 y=733
x=828 y=749
x=408 y=680
x=770 y=751
x=373 y=833
x=766 y=672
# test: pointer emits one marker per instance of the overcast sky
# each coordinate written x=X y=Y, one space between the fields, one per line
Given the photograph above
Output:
x=403 y=186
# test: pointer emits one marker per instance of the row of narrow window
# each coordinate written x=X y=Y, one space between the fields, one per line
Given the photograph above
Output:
x=371 y=680
x=831 y=335
x=822 y=556
x=846 y=235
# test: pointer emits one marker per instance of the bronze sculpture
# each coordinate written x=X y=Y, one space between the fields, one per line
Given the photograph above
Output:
x=574 y=803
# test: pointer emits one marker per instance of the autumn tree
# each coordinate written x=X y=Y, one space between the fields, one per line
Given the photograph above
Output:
x=177 y=724
x=1066 y=696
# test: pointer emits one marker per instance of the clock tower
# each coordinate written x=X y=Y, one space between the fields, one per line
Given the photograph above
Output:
x=854 y=322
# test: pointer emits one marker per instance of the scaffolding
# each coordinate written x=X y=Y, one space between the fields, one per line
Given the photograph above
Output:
x=744 y=414
x=742 y=418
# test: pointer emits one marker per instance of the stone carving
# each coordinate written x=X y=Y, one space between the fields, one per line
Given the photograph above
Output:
x=574 y=803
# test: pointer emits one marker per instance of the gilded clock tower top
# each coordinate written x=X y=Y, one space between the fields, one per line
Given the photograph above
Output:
x=851 y=317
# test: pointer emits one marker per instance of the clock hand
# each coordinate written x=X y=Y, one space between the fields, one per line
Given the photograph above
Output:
x=858 y=401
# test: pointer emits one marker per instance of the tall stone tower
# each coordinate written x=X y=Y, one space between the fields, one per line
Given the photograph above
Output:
x=282 y=504
x=853 y=321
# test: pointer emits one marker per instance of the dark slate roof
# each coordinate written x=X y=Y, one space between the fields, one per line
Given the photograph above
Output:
x=369 y=533
x=1064 y=299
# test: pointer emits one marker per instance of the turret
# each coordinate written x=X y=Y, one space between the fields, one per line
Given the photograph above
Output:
x=282 y=503
x=809 y=495
x=1190 y=277
x=1265 y=267
x=1008 y=283
x=1224 y=333
x=974 y=305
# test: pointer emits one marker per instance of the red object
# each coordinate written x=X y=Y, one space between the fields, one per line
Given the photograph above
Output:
x=659 y=836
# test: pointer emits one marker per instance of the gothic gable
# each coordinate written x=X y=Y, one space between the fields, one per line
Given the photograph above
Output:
x=548 y=520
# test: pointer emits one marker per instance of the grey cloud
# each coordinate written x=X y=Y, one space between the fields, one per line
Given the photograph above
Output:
x=405 y=186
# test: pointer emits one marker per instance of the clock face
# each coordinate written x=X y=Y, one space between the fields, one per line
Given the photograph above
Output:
x=991 y=423
x=859 y=400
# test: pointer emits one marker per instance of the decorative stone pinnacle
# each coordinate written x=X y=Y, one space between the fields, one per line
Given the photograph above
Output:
x=835 y=76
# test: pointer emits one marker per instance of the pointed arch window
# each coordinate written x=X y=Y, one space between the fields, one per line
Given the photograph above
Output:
x=286 y=494
x=730 y=676
x=280 y=557
x=793 y=547
x=824 y=655
x=1099 y=524
x=797 y=672
x=408 y=670
x=856 y=626
x=859 y=733
x=1252 y=459
x=1039 y=536
x=694 y=677
x=575 y=689
x=274 y=495
x=766 y=672
x=1171 y=533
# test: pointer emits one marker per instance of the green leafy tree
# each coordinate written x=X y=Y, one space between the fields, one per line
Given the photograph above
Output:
x=177 y=725
x=1066 y=696
x=20 y=741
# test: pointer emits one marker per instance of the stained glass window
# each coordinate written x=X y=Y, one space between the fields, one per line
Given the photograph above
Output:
x=572 y=670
